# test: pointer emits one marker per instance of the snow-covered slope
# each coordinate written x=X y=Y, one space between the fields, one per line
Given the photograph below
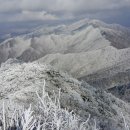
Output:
x=84 y=49
x=23 y=48
x=20 y=81
x=118 y=35
x=87 y=65
x=89 y=50
x=82 y=36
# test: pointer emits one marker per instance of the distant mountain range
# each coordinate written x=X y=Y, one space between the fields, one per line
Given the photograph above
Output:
x=90 y=50
x=96 y=54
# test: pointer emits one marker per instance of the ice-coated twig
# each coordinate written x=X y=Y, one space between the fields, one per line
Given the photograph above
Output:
x=125 y=124
x=50 y=116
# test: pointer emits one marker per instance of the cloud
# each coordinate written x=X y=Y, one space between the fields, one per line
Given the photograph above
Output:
x=29 y=16
x=37 y=15
x=54 y=9
x=61 y=5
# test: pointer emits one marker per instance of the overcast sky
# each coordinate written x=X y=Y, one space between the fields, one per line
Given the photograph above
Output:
x=112 y=11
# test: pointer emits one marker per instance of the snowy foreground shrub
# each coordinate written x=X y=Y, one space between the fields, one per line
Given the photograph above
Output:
x=49 y=116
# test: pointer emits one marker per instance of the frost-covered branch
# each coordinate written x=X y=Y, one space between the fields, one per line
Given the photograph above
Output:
x=125 y=124
x=50 y=116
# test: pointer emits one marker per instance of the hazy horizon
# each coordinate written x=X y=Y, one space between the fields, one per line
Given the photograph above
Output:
x=22 y=16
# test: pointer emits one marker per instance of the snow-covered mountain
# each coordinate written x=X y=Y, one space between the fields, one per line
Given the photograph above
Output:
x=98 y=67
x=20 y=81
x=29 y=49
x=87 y=49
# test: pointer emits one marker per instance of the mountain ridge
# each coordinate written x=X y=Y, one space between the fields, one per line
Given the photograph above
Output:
x=84 y=49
